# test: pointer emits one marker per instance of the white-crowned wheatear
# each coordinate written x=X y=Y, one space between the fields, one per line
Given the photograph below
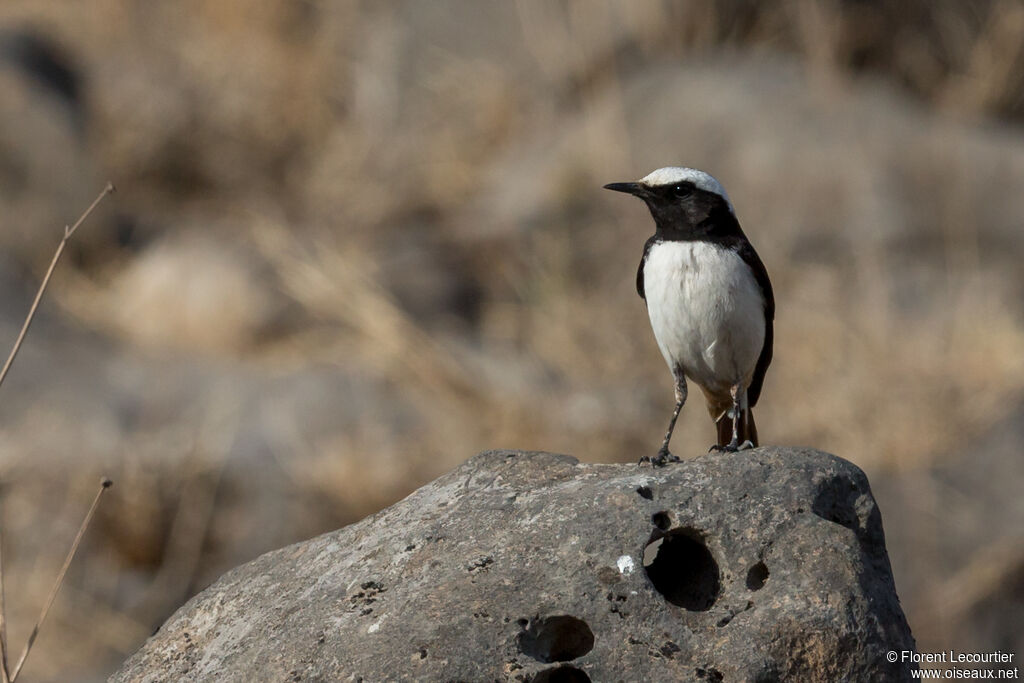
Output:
x=709 y=299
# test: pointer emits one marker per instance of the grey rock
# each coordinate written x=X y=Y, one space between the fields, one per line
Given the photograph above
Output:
x=757 y=566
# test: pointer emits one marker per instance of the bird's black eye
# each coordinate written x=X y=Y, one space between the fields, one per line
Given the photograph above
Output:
x=682 y=191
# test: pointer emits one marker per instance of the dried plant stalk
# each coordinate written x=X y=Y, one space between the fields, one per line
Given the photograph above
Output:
x=104 y=485
x=3 y=608
x=68 y=232
x=5 y=674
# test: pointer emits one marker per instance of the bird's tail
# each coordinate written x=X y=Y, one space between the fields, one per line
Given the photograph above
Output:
x=747 y=428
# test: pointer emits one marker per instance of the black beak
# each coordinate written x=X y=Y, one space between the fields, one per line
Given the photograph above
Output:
x=635 y=189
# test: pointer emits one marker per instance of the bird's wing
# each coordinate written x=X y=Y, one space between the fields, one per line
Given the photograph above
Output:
x=750 y=257
x=640 y=271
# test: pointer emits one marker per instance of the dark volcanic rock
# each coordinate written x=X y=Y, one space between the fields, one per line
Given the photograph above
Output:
x=758 y=566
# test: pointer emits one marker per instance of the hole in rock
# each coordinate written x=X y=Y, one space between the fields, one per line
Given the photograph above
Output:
x=769 y=674
x=837 y=501
x=562 y=674
x=683 y=570
x=645 y=492
x=661 y=520
x=756 y=577
x=556 y=639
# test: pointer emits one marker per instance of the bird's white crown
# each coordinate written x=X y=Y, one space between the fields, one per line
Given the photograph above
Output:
x=671 y=175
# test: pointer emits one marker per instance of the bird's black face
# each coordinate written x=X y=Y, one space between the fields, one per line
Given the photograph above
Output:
x=679 y=209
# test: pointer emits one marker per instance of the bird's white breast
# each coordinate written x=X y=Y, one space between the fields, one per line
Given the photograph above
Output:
x=707 y=312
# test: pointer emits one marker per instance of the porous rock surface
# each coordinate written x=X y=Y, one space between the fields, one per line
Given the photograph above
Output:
x=763 y=565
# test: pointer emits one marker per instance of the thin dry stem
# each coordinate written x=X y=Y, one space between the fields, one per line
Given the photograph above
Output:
x=3 y=610
x=68 y=232
x=104 y=485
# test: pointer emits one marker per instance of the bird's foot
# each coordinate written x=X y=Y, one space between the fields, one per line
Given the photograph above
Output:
x=661 y=459
x=731 y=447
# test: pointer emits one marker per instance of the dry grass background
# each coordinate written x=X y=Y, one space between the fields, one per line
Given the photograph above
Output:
x=356 y=243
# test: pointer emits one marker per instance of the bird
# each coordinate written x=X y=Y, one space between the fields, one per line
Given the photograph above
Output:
x=709 y=300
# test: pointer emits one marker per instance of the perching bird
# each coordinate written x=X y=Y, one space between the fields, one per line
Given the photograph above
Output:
x=709 y=299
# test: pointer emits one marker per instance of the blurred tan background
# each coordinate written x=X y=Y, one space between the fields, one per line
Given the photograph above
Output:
x=355 y=243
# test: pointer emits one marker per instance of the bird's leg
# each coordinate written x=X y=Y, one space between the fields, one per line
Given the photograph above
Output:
x=739 y=414
x=664 y=457
x=736 y=392
x=734 y=444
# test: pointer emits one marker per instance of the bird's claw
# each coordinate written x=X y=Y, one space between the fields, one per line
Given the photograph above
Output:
x=661 y=459
x=731 y=447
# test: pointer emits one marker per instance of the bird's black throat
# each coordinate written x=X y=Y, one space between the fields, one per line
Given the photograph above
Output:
x=705 y=216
